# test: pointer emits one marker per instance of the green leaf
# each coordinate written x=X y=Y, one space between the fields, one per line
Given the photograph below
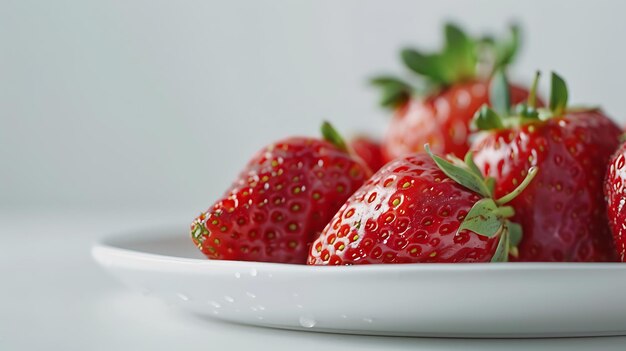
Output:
x=502 y=250
x=499 y=94
x=394 y=91
x=383 y=81
x=469 y=161
x=558 y=95
x=507 y=49
x=465 y=177
x=525 y=111
x=487 y=119
x=393 y=96
x=431 y=66
x=331 y=135
x=515 y=233
x=483 y=219
x=456 y=161
x=491 y=185
x=456 y=62
x=460 y=53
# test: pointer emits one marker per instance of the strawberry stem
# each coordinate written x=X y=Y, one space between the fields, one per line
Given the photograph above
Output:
x=505 y=212
x=532 y=172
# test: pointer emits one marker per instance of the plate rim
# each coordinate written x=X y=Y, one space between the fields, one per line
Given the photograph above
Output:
x=111 y=246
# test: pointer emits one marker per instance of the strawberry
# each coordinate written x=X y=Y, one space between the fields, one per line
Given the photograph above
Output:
x=421 y=208
x=281 y=201
x=615 y=193
x=441 y=116
x=369 y=150
x=562 y=213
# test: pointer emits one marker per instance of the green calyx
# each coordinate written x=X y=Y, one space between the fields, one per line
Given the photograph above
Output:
x=454 y=63
x=502 y=115
x=460 y=59
x=558 y=95
x=331 y=135
x=503 y=50
x=395 y=92
x=489 y=216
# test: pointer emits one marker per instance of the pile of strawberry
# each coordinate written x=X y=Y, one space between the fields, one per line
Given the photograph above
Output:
x=472 y=169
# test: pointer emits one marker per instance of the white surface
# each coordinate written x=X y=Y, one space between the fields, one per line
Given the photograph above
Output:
x=89 y=88
x=443 y=300
x=54 y=297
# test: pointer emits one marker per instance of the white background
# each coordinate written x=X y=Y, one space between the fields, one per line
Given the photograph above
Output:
x=135 y=104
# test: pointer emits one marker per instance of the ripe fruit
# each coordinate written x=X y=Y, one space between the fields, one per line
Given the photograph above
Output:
x=369 y=151
x=615 y=192
x=562 y=212
x=441 y=115
x=281 y=201
x=421 y=208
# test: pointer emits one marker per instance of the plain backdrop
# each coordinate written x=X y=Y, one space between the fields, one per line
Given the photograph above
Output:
x=138 y=104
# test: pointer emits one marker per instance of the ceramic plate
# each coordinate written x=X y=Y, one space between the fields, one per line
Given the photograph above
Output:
x=447 y=300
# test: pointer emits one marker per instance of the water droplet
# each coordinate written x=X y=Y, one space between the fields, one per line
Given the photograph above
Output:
x=253 y=272
x=295 y=294
x=215 y=312
x=250 y=295
x=260 y=318
x=229 y=299
x=307 y=322
x=254 y=309
x=269 y=275
x=237 y=275
x=183 y=297
x=299 y=306
x=215 y=304
x=344 y=316
x=368 y=320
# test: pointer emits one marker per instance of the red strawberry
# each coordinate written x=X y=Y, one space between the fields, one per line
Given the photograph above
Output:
x=415 y=209
x=615 y=193
x=441 y=117
x=281 y=201
x=369 y=151
x=562 y=213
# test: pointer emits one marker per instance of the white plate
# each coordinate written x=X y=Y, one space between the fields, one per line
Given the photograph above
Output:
x=451 y=300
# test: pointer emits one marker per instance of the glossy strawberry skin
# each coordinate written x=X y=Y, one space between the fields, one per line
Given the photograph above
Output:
x=615 y=193
x=279 y=203
x=408 y=212
x=562 y=211
x=442 y=120
x=369 y=150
